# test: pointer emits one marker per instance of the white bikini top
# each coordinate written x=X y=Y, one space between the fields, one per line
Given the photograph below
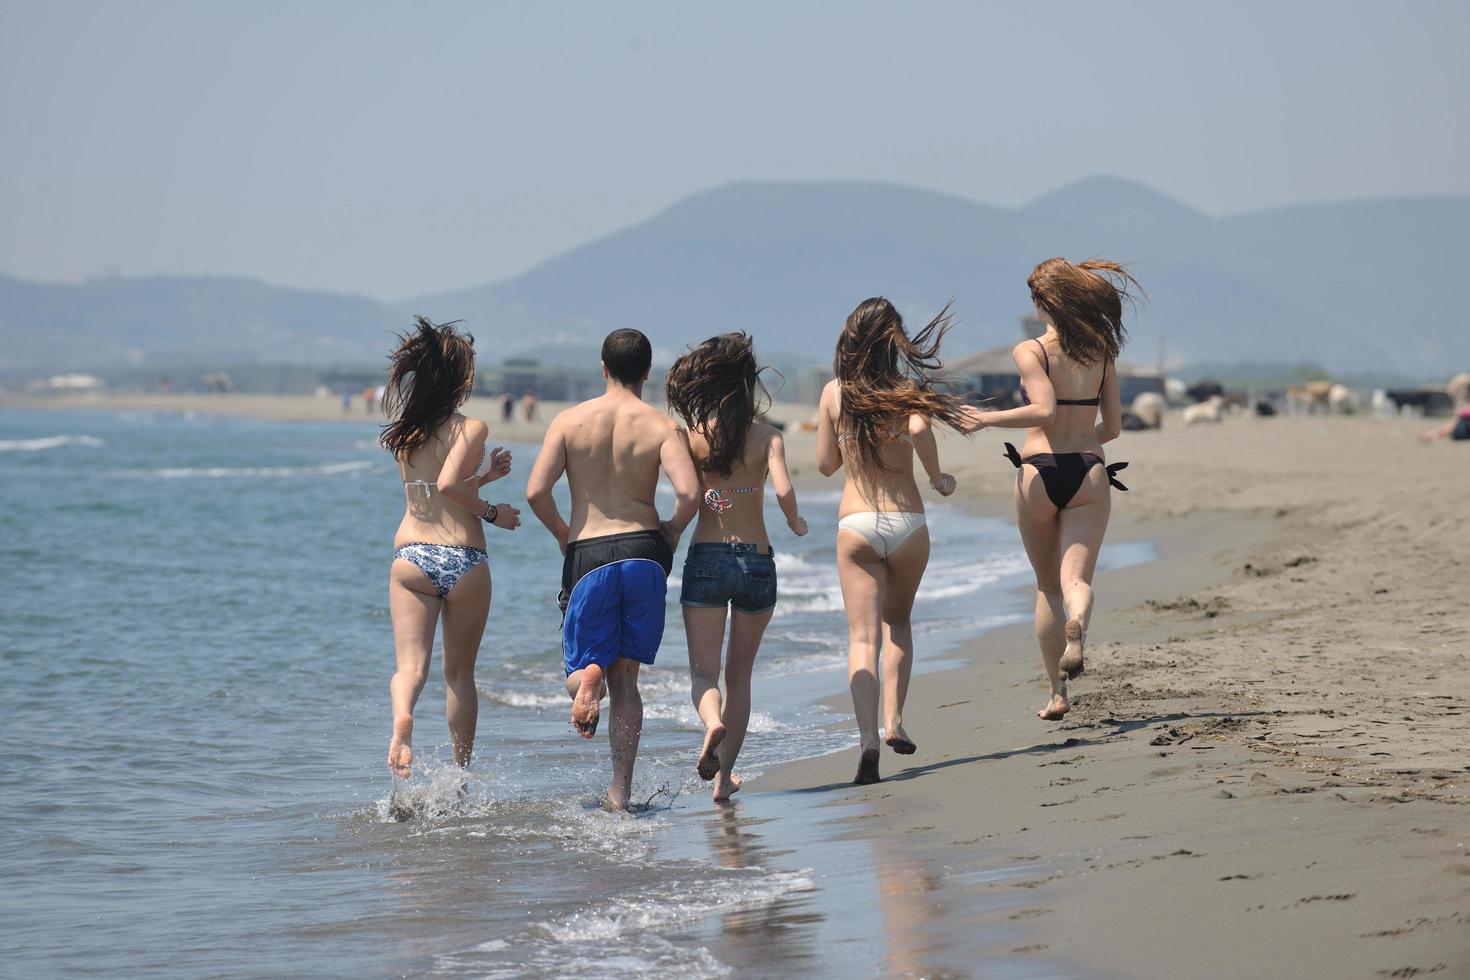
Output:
x=480 y=470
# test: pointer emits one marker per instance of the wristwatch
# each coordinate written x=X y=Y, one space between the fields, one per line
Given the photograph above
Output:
x=491 y=512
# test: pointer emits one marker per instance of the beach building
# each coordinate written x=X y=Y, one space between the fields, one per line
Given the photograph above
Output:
x=556 y=383
x=992 y=374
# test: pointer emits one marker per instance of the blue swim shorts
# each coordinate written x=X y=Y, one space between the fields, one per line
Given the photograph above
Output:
x=613 y=590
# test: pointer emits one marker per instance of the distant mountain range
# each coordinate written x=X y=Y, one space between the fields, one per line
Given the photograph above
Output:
x=1356 y=286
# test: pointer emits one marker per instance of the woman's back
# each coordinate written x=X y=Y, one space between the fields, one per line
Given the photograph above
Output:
x=1079 y=390
x=429 y=517
x=890 y=486
x=733 y=506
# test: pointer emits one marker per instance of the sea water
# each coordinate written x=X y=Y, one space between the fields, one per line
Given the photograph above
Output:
x=196 y=647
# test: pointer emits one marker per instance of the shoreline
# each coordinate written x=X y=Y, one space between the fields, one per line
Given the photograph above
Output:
x=1263 y=766
x=1198 y=812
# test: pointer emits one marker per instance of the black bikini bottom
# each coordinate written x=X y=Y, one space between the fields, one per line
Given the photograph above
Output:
x=1063 y=473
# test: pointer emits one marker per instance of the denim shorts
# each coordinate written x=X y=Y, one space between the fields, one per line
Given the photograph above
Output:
x=737 y=574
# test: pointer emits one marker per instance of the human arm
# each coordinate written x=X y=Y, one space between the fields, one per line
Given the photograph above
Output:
x=1111 y=425
x=458 y=484
x=781 y=484
x=678 y=464
x=499 y=465
x=1443 y=432
x=1043 y=408
x=551 y=463
x=829 y=454
x=926 y=448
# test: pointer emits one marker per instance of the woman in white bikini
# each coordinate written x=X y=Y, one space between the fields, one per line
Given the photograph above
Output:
x=731 y=567
x=439 y=564
x=1063 y=496
x=876 y=417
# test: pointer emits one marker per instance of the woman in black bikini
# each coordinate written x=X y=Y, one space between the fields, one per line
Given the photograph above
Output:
x=730 y=570
x=1063 y=495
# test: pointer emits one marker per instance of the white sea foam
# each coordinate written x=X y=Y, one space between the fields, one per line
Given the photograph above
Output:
x=671 y=907
x=48 y=442
x=246 y=472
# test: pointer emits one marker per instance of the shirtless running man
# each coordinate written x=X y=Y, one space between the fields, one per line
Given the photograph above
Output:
x=618 y=553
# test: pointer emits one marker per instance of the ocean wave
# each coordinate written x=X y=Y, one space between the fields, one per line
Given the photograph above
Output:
x=246 y=472
x=677 y=906
x=48 y=442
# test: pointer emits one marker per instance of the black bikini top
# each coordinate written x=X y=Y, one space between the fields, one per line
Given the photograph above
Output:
x=1046 y=366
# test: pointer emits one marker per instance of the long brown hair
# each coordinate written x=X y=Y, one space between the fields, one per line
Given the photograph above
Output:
x=1085 y=302
x=430 y=374
x=716 y=389
x=885 y=375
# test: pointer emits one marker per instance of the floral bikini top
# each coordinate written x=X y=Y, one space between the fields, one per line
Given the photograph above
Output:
x=720 y=501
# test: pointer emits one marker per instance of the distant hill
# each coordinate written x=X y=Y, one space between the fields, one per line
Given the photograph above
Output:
x=184 y=320
x=1348 y=285
x=1353 y=286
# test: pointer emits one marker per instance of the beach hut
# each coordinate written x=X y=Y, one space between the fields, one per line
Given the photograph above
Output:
x=992 y=374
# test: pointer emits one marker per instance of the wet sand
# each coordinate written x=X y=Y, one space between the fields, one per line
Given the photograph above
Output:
x=1264 y=772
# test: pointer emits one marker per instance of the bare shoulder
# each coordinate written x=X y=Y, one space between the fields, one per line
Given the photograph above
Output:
x=474 y=429
x=764 y=434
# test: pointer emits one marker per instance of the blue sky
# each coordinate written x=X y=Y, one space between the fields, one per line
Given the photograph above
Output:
x=396 y=149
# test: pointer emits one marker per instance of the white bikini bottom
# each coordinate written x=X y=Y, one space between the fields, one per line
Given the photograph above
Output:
x=884 y=530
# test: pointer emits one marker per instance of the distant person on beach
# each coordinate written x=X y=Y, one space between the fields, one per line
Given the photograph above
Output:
x=730 y=568
x=439 y=566
x=507 y=408
x=617 y=553
x=1063 y=496
x=1456 y=429
x=528 y=406
x=876 y=417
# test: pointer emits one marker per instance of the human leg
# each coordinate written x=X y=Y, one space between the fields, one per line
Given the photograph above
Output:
x=905 y=571
x=704 y=630
x=413 y=605
x=1036 y=517
x=746 y=631
x=1081 y=527
x=466 y=608
x=862 y=574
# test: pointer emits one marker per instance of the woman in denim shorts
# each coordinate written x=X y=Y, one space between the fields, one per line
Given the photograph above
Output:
x=730 y=569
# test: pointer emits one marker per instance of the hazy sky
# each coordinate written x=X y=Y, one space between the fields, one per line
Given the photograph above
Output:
x=396 y=149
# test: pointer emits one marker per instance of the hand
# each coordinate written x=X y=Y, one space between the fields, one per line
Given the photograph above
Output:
x=974 y=418
x=945 y=485
x=499 y=465
x=671 y=534
x=798 y=526
x=507 y=517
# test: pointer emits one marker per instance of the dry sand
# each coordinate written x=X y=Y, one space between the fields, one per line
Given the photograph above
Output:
x=1263 y=774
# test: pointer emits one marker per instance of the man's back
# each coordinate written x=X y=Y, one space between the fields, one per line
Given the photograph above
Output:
x=613 y=445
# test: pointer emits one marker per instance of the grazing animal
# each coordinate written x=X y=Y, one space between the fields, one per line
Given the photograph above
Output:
x=1149 y=408
x=1203 y=391
x=1209 y=410
x=1422 y=401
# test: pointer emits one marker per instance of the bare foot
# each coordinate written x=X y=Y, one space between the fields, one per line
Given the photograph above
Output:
x=617 y=800
x=1071 y=662
x=585 y=707
x=400 y=752
x=867 y=768
x=898 y=740
x=709 y=762
x=726 y=786
x=1055 y=708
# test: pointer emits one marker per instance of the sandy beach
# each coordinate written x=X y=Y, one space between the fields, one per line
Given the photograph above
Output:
x=1262 y=774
